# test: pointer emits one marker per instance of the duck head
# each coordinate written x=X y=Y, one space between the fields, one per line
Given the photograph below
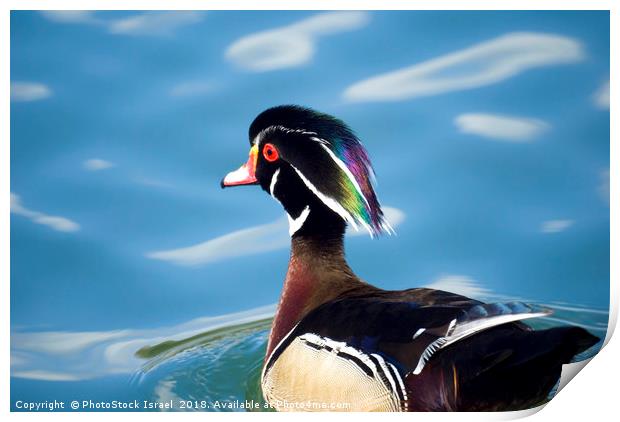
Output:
x=316 y=167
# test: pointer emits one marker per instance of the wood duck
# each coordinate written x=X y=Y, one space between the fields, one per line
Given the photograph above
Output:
x=339 y=343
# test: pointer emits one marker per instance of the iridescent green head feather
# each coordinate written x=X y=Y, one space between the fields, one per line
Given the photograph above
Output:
x=329 y=158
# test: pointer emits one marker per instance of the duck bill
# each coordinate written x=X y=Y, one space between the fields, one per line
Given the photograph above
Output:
x=244 y=175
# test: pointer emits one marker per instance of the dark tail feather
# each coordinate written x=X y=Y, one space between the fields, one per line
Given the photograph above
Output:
x=524 y=369
x=581 y=339
x=555 y=346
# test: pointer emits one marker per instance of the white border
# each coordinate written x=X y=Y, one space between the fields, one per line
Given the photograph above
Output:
x=592 y=395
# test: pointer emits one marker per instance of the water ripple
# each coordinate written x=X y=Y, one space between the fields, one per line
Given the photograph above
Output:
x=225 y=366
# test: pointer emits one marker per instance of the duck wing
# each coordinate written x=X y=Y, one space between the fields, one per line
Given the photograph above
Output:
x=499 y=369
x=406 y=333
x=421 y=349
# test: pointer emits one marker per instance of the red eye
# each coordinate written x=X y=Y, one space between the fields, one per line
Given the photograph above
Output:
x=270 y=153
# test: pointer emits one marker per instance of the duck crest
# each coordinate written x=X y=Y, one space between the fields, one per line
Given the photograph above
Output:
x=356 y=178
x=330 y=160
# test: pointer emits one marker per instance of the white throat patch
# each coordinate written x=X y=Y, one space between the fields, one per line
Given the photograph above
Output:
x=295 y=224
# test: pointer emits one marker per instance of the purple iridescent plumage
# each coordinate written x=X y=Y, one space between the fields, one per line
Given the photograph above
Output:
x=364 y=206
x=351 y=176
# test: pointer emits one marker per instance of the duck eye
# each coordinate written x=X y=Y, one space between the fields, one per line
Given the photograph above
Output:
x=270 y=153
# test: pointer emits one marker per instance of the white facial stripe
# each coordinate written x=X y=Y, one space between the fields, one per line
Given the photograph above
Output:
x=330 y=202
x=295 y=224
x=346 y=170
x=274 y=180
x=259 y=137
x=320 y=140
x=343 y=167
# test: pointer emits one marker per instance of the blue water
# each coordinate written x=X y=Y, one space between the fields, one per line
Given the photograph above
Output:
x=121 y=238
x=214 y=370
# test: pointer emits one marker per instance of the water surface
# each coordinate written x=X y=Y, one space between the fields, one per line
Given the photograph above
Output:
x=135 y=277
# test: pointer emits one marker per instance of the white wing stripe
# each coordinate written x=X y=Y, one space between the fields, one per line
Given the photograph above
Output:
x=458 y=332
